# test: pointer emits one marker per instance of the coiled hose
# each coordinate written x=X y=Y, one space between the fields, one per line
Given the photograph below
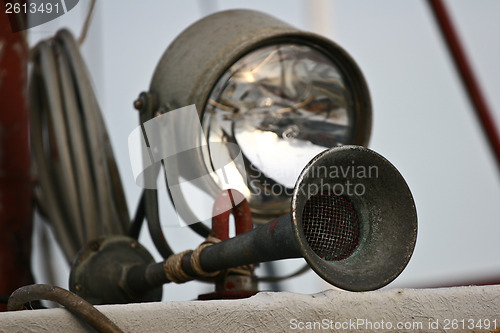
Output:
x=78 y=185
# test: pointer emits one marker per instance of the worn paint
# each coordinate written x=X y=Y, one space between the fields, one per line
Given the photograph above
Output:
x=15 y=179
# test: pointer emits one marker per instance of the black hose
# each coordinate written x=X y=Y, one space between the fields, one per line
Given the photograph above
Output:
x=140 y=214
x=154 y=226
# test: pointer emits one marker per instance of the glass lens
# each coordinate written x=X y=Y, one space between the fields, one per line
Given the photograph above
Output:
x=282 y=105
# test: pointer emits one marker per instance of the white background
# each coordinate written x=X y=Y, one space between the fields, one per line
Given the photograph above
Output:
x=423 y=122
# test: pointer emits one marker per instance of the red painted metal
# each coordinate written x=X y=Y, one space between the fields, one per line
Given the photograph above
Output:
x=467 y=75
x=475 y=96
x=15 y=179
x=233 y=286
x=231 y=201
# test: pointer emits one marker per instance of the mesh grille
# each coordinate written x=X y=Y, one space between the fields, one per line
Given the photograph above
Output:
x=331 y=226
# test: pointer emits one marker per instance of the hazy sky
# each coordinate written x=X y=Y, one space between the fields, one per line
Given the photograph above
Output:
x=423 y=122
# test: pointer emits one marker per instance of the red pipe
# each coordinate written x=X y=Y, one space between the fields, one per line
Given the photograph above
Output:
x=468 y=79
x=15 y=178
x=231 y=201
x=474 y=93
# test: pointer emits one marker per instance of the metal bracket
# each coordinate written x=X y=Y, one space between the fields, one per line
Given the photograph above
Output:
x=232 y=285
x=98 y=273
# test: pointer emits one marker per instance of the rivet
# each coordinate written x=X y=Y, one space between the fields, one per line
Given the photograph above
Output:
x=94 y=246
x=139 y=103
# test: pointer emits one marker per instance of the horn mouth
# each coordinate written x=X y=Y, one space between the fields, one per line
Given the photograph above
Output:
x=354 y=218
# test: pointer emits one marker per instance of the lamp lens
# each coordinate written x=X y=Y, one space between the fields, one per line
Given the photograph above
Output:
x=282 y=104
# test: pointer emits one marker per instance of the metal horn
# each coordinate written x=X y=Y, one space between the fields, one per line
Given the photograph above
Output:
x=352 y=218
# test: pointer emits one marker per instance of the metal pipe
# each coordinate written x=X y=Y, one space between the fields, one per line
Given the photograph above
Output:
x=272 y=241
x=240 y=210
x=269 y=242
x=15 y=178
x=467 y=76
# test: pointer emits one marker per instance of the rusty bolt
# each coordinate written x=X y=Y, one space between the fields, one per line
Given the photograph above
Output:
x=133 y=245
x=139 y=103
x=94 y=246
x=78 y=287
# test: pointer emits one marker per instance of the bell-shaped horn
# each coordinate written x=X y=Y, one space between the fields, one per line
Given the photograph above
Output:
x=352 y=218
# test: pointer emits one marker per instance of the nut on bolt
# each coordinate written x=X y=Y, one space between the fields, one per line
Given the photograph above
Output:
x=140 y=102
x=94 y=246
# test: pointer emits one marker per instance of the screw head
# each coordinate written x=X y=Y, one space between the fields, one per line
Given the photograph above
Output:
x=94 y=246
x=139 y=103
